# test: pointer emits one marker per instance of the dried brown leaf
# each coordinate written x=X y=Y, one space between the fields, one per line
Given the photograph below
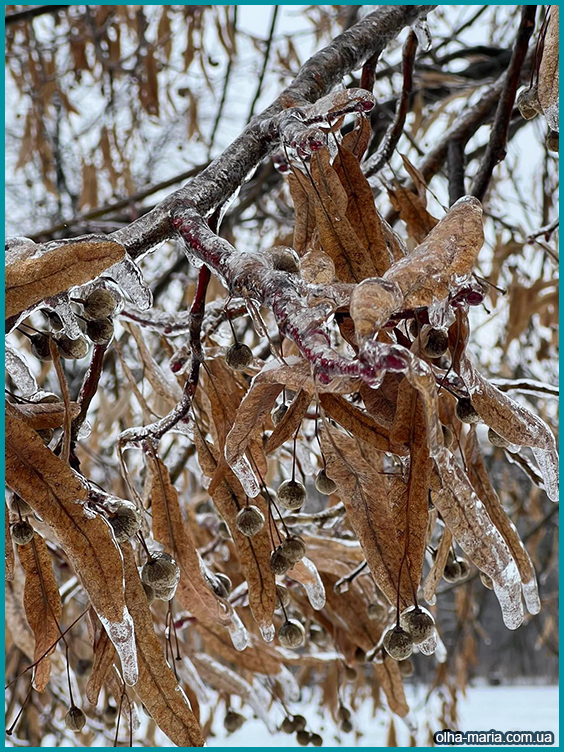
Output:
x=50 y=415
x=42 y=603
x=104 y=657
x=290 y=423
x=356 y=421
x=61 y=265
x=388 y=675
x=304 y=210
x=436 y=572
x=549 y=77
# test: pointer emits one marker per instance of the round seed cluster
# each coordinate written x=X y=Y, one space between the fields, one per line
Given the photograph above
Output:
x=398 y=643
x=291 y=634
x=418 y=623
x=239 y=356
x=291 y=494
x=324 y=484
x=250 y=520
x=22 y=532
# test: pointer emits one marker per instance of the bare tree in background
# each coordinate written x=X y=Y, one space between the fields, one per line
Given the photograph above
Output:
x=284 y=427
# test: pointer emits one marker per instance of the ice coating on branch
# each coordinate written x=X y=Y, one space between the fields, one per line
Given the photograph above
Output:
x=268 y=632
x=531 y=596
x=18 y=249
x=238 y=632
x=128 y=276
x=246 y=477
x=61 y=305
x=305 y=572
x=18 y=369
x=122 y=634
x=547 y=460
x=423 y=34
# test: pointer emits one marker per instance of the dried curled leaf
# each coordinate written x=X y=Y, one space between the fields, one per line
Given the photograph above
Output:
x=104 y=657
x=172 y=531
x=157 y=687
x=356 y=421
x=364 y=494
x=52 y=489
x=50 y=415
x=388 y=675
x=436 y=572
x=412 y=206
x=290 y=422
x=57 y=266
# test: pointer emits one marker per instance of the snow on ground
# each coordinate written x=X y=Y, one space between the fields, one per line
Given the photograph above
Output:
x=517 y=708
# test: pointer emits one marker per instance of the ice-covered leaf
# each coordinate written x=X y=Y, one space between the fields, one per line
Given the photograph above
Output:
x=305 y=572
x=436 y=572
x=389 y=678
x=8 y=548
x=104 y=657
x=19 y=372
x=356 y=421
x=42 y=415
x=291 y=421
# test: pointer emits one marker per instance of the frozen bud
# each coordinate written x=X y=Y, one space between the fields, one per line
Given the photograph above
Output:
x=100 y=304
x=377 y=611
x=284 y=259
x=419 y=624
x=19 y=506
x=293 y=548
x=278 y=413
x=324 y=484
x=291 y=634
x=486 y=580
x=278 y=562
x=346 y=727
x=39 y=344
x=465 y=412
x=221 y=585
x=528 y=102
x=100 y=331
x=343 y=713
x=282 y=597
x=303 y=738
x=350 y=673
x=291 y=494
x=160 y=571
x=398 y=643
x=149 y=592
x=448 y=437
x=239 y=356
x=165 y=593
x=22 y=532
x=436 y=343
x=233 y=721
x=316 y=740
x=288 y=726
x=71 y=349
x=126 y=522
x=249 y=520
x=464 y=569
x=497 y=440
x=299 y=722
x=553 y=141
x=452 y=571
x=75 y=719
x=406 y=667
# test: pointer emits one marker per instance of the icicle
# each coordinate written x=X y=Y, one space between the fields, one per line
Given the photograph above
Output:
x=290 y=687
x=441 y=315
x=246 y=477
x=60 y=304
x=423 y=34
x=428 y=646
x=84 y=431
x=17 y=367
x=128 y=276
x=238 y=631
x=411 y=723
x=305 y=572
x=507 y=587
x=531 y=596
x=547 y=460
x=122 y=634
x=268 y=632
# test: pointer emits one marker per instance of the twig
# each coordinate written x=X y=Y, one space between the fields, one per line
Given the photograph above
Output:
x=456 y=160
x=65 y=450
x=496 y=148
x=89 y=388
x=265 y=60
x=224 y=91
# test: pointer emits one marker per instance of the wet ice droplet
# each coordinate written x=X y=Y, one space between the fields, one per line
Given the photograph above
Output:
x=423 y=34
x=18 y=369
x=246 y=477
x=531 y=596
x=507 y=587
x=238 y=632
x=428 y=646
x=305 y=572
x=122 y=635
x=84 y=431
x=60 y=304
x=547 y=460
x=268 y=632
x=129 y=278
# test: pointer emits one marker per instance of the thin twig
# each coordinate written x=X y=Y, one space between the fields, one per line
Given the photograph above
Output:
x=265 y=60
x=224 y=92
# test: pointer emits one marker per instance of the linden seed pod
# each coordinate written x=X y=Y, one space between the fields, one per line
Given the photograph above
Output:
x=46 y=434
x=238 y=356
x=291 y=494
x=324 y=484
x=100 y=304
x=278 y=562
x=288 y=726
x=165 y=593
x=126 y=522
x=436 y=344
x=249 y=520
x=278 y=413
x=346 y=727
x=452 y=572
x=350 y=673
x=71 y=349
x=343 y=713
x=19 y=506
x=160 y=571
x=418 y=624
x=497 y=440
x=293 y=548
x=75 y=719
x=377 y=611
x=486 y=580
x=299 y=722
x=303 y=737
x=284 y=259
x=291 y=634
x=100 y=331
x=406 y=667
x=448 y=437
x=39 y=344
x=149 y=592
x=464 y=569
x=22 y=532
x=553 y=141
x=233 y=721
x=398 y=644
x=282 y=597
x=465 y=412
x=316 y=740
